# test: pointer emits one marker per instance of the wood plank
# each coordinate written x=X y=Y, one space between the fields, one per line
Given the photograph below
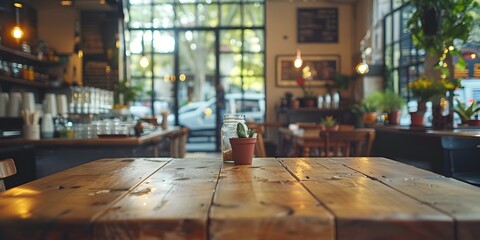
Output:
x=365 y=208
x=173 y=203
x=264 y=201
x=62 y=206
x=458 y=199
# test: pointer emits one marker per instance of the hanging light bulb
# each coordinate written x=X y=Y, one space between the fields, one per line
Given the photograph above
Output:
x=144 y=61
x=298 y=62
x=362 y=68
x=17 y=32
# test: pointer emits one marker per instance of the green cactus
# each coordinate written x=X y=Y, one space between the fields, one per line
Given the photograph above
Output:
x=242 y=132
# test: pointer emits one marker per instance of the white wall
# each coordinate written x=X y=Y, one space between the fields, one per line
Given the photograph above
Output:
x=281 y=40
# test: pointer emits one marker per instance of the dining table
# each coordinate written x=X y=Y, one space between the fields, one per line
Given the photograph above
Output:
x=273 y=198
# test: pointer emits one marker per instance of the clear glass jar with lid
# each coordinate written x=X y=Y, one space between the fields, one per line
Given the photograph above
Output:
x=229 y=130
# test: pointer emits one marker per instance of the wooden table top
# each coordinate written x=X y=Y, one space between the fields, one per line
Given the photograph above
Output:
x=290 y=198
x=154 y=136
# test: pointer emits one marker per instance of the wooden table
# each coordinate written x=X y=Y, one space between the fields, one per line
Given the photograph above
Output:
x=291 y=198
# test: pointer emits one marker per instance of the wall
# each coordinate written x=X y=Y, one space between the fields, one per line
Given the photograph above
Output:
x=57 y=28
x=281 y=39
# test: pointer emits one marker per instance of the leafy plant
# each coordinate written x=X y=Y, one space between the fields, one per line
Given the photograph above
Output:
x=436 y=24
x=243 y=132
x=329 y=121
x=128 y=91
x=391 y=101
x=466 y=112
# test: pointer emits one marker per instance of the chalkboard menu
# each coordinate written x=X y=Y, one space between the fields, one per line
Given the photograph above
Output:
x=317 y=25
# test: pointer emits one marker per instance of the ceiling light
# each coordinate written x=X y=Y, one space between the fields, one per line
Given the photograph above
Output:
x=66 y=3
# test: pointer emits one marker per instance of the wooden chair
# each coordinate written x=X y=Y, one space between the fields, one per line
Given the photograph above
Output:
x=7 y=169
x=260 y=145
x=173 y=141
x=461 y=158
x=182 y=143
x=347 y=143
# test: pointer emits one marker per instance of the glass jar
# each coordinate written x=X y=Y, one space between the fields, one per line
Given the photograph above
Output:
x=229 y=130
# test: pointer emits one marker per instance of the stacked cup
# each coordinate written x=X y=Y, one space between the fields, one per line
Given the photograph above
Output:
x=3 y=104
x=14 y=104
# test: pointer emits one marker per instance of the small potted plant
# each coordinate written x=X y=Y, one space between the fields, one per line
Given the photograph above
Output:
x=329 y=124
x=369 y=106
x=392 y=103
x=467 y=112
x=243 y=146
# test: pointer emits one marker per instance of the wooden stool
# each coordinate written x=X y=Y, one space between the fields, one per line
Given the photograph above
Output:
x=7 y=169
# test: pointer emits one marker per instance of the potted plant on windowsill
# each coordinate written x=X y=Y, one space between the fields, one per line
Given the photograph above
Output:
x=466 y=112
x=392 y=104
x=243 y=146
x=368 y=108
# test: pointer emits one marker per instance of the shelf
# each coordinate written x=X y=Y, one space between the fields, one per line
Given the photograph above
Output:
x=22 y=57
x=23 y=82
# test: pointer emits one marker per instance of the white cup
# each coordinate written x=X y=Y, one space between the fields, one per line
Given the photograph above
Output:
x=3 y=104
x=14 y=104
x=28 y=102
x=31 y=132
x=47 y=126
x=50 y=104
x=62 y=105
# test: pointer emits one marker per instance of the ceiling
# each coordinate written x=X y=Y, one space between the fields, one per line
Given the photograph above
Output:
x=109 y=5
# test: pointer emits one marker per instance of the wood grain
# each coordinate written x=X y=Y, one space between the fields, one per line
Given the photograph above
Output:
x=172 y=204
x=63 y=205
x=458 y=199
x=364 y=207
x=263 y=201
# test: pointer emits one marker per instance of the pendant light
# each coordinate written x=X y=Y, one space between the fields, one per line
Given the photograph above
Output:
x=143 y=60
x=17 y=32
x=298 y=62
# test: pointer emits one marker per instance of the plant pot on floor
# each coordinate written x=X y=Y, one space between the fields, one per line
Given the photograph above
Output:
x=242 y=150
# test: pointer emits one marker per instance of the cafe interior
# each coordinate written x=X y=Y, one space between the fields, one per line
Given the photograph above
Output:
x=122 y=90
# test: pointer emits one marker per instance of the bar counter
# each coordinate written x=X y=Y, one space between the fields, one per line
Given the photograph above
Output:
x=418 y=146
x=53 y=155
x=289 y=198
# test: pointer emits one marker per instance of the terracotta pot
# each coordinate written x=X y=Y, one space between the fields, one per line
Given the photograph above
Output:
x=370 y=117
x=242 y=150
x=473 y=122
x=307 y=101
x=394 y=117
x=329 y=128
x=417 y=118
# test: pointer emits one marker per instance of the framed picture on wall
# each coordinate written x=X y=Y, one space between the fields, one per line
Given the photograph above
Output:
x=317 y=25
x=317 y=70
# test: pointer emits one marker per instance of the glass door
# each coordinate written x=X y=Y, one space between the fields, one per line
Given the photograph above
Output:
x=197 y=78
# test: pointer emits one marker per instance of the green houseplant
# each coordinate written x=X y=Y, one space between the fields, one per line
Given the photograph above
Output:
x=243 y=146
x=369 y=107
x=329 y=124
x=435 y=25
x=392 y=103
x=466 y=112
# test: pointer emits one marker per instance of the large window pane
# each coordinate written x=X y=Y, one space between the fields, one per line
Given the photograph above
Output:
x=185 y=15
x=230 y=64
x=254 y=41
x=231 y=15
x=254 y=15
x=163 y=16
x=231 y=41
x=253 y=65
x=140 y=16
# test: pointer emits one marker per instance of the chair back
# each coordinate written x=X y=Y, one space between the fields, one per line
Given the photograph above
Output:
x=7 y=169
x=461 y=158
x=182 y=143
x=260 y=145
x=348 y=143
